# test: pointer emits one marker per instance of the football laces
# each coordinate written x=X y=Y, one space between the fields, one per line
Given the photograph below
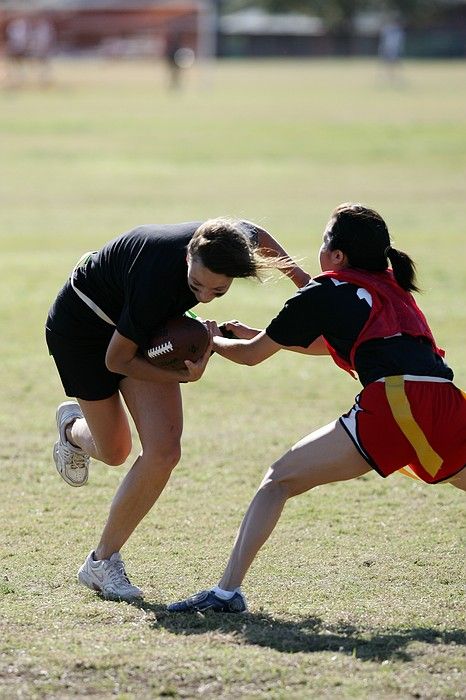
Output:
x=161 y=349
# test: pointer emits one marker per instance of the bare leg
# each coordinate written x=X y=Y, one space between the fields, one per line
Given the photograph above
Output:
x=324 y=456
x=157 y=412
x=104 y=432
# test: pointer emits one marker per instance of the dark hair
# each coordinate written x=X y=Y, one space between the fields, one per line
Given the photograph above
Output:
x=362 y=235
x=223 y=246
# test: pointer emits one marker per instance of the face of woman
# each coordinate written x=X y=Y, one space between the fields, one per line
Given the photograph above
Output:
x=325 y=260
x=205 y=284
x=331 y=259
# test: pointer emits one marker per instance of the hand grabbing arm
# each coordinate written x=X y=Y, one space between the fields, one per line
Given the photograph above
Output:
x=236 y=329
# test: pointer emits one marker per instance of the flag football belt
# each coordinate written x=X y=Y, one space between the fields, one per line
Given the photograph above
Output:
x=91 y=304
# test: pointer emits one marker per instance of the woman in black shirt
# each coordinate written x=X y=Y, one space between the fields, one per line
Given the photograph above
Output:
x=108 y=310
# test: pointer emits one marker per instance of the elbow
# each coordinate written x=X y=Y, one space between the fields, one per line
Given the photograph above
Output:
x=113 y=365
x=120 y=353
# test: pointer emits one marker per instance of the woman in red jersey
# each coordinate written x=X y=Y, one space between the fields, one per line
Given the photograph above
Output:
x=409 y=412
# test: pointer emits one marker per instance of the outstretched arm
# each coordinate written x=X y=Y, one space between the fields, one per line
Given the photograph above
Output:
x=243 y=332
x=317 y=347
x=246 y=352
x=269 y=246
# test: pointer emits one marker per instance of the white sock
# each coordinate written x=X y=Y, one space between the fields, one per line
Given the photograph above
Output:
x=225 y=595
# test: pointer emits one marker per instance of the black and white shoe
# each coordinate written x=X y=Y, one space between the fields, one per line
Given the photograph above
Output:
x=208 y=600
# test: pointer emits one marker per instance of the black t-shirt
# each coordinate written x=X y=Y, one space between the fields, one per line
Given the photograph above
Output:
x=338 y=311
x=138 y=279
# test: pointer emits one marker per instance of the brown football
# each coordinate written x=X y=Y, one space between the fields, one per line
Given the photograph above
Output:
x=178 y=339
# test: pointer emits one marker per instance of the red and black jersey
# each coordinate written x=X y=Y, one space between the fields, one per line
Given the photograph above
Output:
x=393 y=312
x=349 y=314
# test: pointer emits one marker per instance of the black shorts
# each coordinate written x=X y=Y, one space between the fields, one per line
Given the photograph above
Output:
x=78 y=340
x=82 y=370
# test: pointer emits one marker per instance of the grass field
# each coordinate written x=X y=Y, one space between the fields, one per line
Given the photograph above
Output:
x=359 y=593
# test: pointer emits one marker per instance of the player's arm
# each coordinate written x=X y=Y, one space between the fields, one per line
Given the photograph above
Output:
x=269 y=246
x=317 y=347
x=123 y=357
x=240 y=330
x=246 y=352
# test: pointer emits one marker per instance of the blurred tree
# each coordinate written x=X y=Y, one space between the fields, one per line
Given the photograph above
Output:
x=337 y=11
x=339 y=14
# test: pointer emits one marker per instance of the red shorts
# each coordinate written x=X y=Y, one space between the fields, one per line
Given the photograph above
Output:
x=418 y=422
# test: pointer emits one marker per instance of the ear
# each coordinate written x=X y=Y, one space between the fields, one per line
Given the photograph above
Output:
x=339 y=259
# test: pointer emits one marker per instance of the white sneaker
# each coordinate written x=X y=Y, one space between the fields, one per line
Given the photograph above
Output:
x=71 y=462
x=108 y=576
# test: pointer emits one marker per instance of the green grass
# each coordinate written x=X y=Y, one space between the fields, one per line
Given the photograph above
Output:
x=359 y=592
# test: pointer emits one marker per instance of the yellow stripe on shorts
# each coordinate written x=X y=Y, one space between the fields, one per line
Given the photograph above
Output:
x=401 y=410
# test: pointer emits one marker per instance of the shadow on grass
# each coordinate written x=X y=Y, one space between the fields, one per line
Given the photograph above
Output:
x=308 y=634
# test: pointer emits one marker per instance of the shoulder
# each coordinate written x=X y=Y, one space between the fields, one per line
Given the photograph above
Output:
x=329 y=292
x=312 y=295
x=161 y=231
x=159 y=234
x=329 y=280
x=336 y=287
x=317 y=286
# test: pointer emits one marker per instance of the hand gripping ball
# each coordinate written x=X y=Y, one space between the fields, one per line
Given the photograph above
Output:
x=178 y=339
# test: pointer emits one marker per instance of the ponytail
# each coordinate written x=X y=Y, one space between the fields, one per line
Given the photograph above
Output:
x=362 y=235
x=404 y=269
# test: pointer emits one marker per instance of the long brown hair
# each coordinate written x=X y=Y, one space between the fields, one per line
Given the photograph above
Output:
x=224 y=247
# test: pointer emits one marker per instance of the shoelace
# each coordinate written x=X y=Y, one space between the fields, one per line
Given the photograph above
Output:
x=74 y=460
x=117 y=574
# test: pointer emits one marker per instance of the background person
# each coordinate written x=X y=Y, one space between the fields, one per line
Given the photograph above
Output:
x=178 y=58
x=17 y=37
x=391 y=47
x=408 y=413
x=42 y=41
x=106 y=311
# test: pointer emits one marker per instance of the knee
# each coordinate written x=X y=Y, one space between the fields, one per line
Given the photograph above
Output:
x=169 y=457
x=163 y=457
x=115 y=455
x=275 y=482
x=274 y=491
x=279 y=481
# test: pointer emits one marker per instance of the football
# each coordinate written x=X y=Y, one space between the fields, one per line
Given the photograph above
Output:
x=178 y=339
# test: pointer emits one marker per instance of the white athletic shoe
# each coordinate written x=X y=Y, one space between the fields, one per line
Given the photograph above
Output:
x=71 y=462
x=108 y=577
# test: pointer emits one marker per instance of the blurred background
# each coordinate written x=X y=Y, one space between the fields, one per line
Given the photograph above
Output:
x=225 y=28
